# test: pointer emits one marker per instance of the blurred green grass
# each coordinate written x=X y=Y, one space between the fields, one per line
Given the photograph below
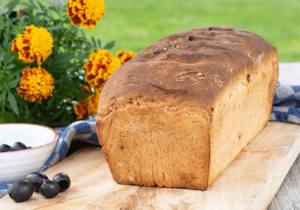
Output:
x=136 y=24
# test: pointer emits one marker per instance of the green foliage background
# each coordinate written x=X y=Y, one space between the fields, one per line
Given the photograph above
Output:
x=70 y=53
x=136 y=24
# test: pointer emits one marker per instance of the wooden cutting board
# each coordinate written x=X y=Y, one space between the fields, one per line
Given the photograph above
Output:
x=249 y=182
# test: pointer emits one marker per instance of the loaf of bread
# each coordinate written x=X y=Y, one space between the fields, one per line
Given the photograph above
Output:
x=178 y=113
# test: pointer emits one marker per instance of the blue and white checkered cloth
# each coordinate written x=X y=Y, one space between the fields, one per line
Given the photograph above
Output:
x=286 y=108
x=286 y=104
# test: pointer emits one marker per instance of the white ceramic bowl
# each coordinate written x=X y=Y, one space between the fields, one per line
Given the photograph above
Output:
x=16 y=165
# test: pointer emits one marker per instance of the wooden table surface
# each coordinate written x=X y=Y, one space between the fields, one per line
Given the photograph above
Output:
x=249 y=182
x=288 y=195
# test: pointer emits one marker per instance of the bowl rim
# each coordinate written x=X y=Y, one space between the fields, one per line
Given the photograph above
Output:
x=53 y=140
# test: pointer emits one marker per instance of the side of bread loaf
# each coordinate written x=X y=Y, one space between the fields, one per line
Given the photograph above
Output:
x=182 y=110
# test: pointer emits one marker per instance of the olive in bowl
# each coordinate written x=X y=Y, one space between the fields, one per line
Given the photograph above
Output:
x=16 y=165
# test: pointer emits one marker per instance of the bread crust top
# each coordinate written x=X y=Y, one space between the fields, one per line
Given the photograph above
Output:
x=189 y=68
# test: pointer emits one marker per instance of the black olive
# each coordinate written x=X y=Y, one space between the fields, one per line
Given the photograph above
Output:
x=20 y=191
x=18 y=146
x=49 y=189
x=63 y=180
x=5 y=148
x=36 y=180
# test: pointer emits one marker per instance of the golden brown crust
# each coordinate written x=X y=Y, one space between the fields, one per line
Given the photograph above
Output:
x=181 y=73
x=194 y=65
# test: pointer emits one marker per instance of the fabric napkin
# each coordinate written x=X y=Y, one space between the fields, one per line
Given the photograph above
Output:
x=286 y=104
x=286 y=108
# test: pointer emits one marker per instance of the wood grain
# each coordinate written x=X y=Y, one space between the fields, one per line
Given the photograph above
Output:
x=288 y=196
x=249 y=182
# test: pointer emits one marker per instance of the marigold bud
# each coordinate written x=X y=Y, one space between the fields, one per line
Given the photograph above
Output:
x=20 y=12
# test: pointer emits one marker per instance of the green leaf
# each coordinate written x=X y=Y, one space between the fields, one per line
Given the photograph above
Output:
x=54 y=9
x=65 y=18
x=58 y=113
x=11 y=58
x=9 y=117
x=3 y=95
x=13 y=103
x=21 y=23
x=56 y=3
x=79 y=95
x=50 y=102
x=81 y=57
x=99 y=43
x=76 y=31
x=2 y=86
x=10 y=66
x=32 y=3
x=62 y=59
x=28 y=7
x=27 y=112
x=1 y=23
x=6 y=47
x=78 y=45
x=82 y=33
x=109 y=45
x=38 y=11
x=13 y=83
x=35 y=107
x=60 y=3
x=41 y=6
x=50 y=16
x=7 y=54
x=45 y=10
x=6 y=36
x=1 y=58
x=94 y=42
x=11 y=5
x=50 y=2
x=53 y=28
x=25 y=4
x=47 y=18
x=14 y=19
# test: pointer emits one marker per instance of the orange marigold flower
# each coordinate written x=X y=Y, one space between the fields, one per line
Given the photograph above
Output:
x=125 y=56
x=36 y=84
x=99 y=67
x=80 y=109
x=87 y=107
x=85 y=12
x=34 y=45
x=86 y=89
